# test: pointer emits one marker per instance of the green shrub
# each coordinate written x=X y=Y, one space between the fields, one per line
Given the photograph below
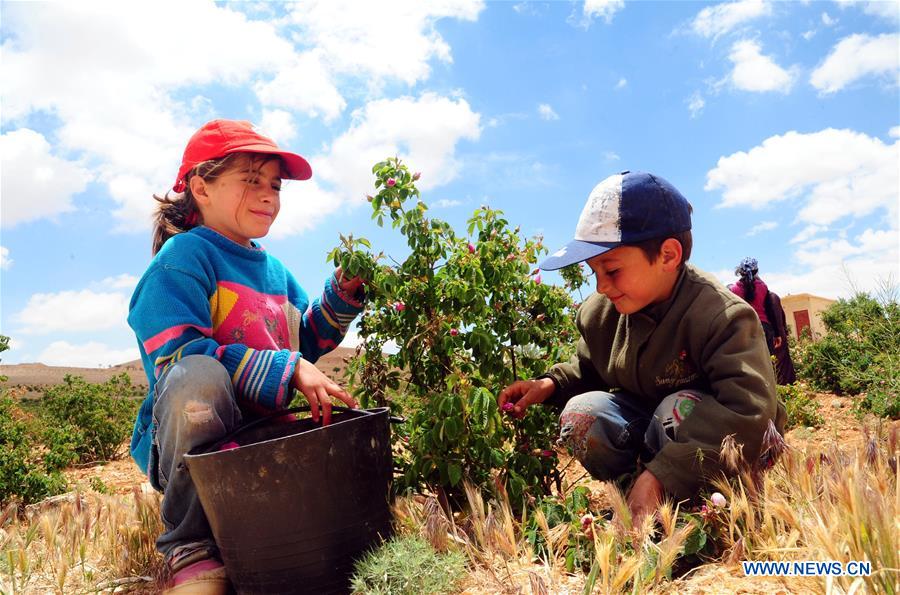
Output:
x=470 y=316
x=859 y=353
x=408 y=565
x=801 y=407
x=23 y=472
x=93 y=419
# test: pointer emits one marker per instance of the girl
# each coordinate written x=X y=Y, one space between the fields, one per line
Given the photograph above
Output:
x=224 y=330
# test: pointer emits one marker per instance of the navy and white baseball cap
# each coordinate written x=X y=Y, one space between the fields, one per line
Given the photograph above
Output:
x=626 y=208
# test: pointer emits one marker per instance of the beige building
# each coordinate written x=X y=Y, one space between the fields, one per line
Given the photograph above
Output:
x=804 y=310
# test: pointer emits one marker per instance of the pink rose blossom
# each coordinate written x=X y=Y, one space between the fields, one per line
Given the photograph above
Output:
x=547 y=453
x=454 y=332
x=508 y=407
x=391 y=182
x=471 y=249
x=538 y=279
x=399 y=306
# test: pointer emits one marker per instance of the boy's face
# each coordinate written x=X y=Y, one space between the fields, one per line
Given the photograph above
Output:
x=630 y=281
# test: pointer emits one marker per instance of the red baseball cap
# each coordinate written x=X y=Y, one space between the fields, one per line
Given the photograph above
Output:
x=224 y=137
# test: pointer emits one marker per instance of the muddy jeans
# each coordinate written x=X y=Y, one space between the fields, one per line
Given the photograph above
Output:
x=609 y=432
x=193 y=404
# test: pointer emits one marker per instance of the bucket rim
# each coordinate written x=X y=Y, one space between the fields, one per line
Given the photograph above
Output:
x=210 y=449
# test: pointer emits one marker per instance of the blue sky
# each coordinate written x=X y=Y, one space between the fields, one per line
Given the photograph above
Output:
x=778 y=120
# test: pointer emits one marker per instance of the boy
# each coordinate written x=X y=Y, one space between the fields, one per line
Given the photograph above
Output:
x=669 y=363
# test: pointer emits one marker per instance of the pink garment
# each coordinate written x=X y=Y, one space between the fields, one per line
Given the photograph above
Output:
x=759 y=298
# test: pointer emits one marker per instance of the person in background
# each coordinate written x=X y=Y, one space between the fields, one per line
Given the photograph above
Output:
x=224 y=330
x=767 y=305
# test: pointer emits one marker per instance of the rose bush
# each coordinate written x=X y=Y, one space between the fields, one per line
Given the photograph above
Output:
x=469 y=315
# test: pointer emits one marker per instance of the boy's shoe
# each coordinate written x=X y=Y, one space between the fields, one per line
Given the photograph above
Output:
x=197 y=574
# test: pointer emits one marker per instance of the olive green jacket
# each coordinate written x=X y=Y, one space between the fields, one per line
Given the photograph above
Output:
x=704 y=338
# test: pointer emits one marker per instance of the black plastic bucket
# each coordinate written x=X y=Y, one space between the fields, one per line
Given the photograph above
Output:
x=296 y=504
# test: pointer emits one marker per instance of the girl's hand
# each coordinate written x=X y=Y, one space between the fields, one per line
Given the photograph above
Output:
x=522 y=393
x=318 y=390
x=349 y=285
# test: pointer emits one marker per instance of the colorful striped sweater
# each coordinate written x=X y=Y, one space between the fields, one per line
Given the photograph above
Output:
x=204 y=294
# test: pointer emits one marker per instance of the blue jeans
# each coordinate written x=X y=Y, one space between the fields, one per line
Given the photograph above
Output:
x=193 y=404
x=609 y=432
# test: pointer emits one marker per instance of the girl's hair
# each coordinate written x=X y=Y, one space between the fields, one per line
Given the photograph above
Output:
x=747 y=270
x=179 y=213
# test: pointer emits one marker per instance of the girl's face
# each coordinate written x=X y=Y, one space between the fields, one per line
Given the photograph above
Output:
x=242 y=203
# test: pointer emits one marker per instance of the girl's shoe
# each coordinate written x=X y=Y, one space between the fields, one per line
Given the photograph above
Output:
x=202 y=577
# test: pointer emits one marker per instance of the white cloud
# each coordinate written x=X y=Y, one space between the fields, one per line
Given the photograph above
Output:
x=36 y=183
x=446 y=203
x=110 y=76
x=807 y=35
x=304 y=86
x=72 y=311
x=623 y=82
x=424 y=131
x=894 y=132
x=807 y=232
x=304 y=204
x=278 y=125
x=604 y=9
x=695 y=104
x=611 y=156
x=886 y=9
x=426 y=141
x=116 y=80
x=715 y=21
x=755 y=72
x=761 y=227
x=5 y=260
x=545 y=111
x=122 y=281
x=833 y=174
x=86 y=355
x=378 y=41
x=827 y=20
x=839 y=267
x=855 y=57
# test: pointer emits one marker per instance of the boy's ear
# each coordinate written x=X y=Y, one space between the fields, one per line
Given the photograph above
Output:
x=670 y=252
x=198 y=190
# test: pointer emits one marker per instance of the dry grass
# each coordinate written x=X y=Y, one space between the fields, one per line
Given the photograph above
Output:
x=828 y=501
x=824 y=503
x=82 y=543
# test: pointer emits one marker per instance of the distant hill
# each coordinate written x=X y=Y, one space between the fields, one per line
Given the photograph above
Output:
x=34 y=375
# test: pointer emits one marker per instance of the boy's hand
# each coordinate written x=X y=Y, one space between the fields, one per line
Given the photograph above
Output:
x=523 y=393
x=318 y=390
x=645 y=497
x=348 y=285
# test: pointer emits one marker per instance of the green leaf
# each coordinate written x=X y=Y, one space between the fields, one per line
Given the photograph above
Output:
x=454 y=471
x=696 y=541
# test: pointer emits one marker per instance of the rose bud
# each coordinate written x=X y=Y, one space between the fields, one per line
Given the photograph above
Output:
x=417 y=175
x=718 y=500
x=399 y=306
x=508 y=406
x=471 y=249
x=391 y=182
x=454 y=332
x=538 y=279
